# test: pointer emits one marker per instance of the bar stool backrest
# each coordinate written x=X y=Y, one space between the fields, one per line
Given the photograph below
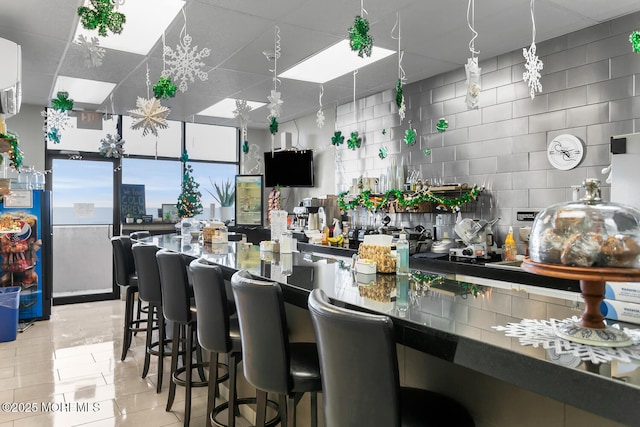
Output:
x=359 y=365
x=123 y=259
x=263 y=332
x=212 y=307
x=175 y=286
x=148 y=276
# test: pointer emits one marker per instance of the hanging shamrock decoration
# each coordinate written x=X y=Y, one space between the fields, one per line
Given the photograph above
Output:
x=102 y=16
x=427 y=152
x=337 y=138
x=273 y=126
x=410 y=135
x=634 y=38
x=164 y=88
x=355 y=141
x=384 y=131
x=359 y=38
x=15 y=153
x=442 y=125
x=184 y=157
x=111 y=146
x=382 y=153
x=55 y=122
x=53 y=135
x=62 y=102
x=402 y=107
x=245 y=147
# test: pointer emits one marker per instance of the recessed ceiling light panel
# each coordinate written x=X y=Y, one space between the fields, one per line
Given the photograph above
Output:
x=226 y=107
x=83 y=90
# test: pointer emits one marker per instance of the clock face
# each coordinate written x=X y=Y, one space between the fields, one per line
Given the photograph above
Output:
x=565 y=152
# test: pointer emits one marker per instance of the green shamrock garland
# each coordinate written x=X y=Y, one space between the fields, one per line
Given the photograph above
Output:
x=410 y=136
x=102 y=16
x=399 y=95
x=62 y=102
x=634 y=38
x=337 y=138
x=359 y=38
x=423 y=281
x=15 y=153
x=379 y=202
x=273 y=126
x=164 y=88
x=354 y=142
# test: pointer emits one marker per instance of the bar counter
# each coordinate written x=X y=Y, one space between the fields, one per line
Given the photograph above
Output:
x=450 y=323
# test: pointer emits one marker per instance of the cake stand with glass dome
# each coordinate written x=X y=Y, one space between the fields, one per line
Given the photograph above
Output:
x=594 y=242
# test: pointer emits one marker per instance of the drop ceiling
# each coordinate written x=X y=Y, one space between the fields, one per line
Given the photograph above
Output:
x=435 y=39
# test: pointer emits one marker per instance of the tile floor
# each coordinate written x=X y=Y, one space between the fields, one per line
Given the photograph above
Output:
x=74 y=359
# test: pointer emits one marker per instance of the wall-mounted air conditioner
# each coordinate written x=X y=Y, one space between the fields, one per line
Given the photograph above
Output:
x=10 y=78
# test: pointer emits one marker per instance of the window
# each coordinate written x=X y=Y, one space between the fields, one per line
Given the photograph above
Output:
x=166 y=144
x=210 y=142
x=206 y=173
x=161 y=180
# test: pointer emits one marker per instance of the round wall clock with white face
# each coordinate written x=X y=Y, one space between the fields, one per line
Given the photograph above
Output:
x=565 y=152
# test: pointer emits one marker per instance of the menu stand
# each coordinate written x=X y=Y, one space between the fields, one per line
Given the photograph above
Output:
x=591 y=328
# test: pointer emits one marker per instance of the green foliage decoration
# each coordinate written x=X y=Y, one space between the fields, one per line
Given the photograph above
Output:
x=101 y=15
x=634 y=38
x=399 y=95
x=354 y=141
x=337 y=138
x=15 y=153
x=225 y=193
x=164 y=88
x=359 y=38
x=273 y=126
x=62 y=102
x=189 y=201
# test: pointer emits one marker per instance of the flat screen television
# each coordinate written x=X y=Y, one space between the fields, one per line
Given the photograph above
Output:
x=288 y=168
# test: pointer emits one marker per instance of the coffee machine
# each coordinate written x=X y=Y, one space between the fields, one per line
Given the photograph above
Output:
x=311 y=205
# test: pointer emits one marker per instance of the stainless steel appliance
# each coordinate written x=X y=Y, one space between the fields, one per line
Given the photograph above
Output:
x=477 y=238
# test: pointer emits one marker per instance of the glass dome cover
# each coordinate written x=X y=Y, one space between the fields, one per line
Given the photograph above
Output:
x=587 y=233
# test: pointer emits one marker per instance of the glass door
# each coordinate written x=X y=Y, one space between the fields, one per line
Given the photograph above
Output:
x=83 y=223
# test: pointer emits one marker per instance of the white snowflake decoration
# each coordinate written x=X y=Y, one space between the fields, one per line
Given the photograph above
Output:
x=473 y=83
x=56 y=122
x=185 y=63
x=538 y=333
x=111 y=146
x=150 y=116
x=533 y=66
x=320 y=118
x=242 y=112
x=92 y=52
x=275 y=104
x=402 y=111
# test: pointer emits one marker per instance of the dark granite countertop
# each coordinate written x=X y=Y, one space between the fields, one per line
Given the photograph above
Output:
x=450 y=323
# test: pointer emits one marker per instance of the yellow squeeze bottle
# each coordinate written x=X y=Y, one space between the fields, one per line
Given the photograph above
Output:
x=510 y=248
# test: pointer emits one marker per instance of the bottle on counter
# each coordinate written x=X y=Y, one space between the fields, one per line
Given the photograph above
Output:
x=325 y=236
x=509 y=250
x=402 y=255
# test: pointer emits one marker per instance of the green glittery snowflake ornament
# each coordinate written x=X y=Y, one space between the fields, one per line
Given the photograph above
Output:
x=101 y=15
x=410 y=135
x=273 y=126
x=634 y=38
x=354 y=141
x=62 y=102
x=164 y=88
x=442 y=125
x=382 y=153
x=184 y=158
x=337 y=138
x=359 y=38
x=245 y=147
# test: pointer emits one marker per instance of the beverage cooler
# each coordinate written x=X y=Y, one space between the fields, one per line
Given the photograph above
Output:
x=25 y=251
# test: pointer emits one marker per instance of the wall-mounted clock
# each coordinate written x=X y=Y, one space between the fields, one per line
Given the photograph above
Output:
x=565 y=152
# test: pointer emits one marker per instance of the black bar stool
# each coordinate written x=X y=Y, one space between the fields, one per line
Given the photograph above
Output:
x=149 y=290
x=219 y=333
x=177 y=307
x=271 y=362
x=360 y=379
x=127 y=279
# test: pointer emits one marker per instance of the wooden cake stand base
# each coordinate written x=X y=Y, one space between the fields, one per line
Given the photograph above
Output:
x=591 y=328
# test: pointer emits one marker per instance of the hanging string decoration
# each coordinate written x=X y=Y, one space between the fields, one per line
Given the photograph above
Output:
x=189 y=201
x=164 y=88
x=149 y=116
x=382 y=153
x=471 y=68
x=275 y=104
x=442 y=125
x=253 y=153
x=101 y=14
x=55 y=122
x=62 y=102
x=533 y=64
x=410 y=135
x=275 y=98
x=320 y=113
x=185 y=62
x=273 y=126
x=400 y=101
x=348 y=201
x=634 y=38
x=15 y=153
x=359 y=38
x=92 y=53
x=111 y=146
x=337 y=138
x=354 y=141
x=242 y=114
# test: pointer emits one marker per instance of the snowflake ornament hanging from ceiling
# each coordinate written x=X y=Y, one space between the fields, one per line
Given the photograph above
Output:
x=55 y=122
x=275 y=104
x=111 y=146
x=185 y=62
x=473 y=82
x=533 y=64
x=150 y=116
x=242 y=114
x=92 y=53
x=320 y=113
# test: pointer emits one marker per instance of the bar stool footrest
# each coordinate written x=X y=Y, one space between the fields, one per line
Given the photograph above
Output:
x=244 y=401
x=182 y=370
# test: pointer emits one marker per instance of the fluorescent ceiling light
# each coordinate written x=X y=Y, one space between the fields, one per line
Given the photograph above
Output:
x=146 y=20
x=226 y=107
x=83 y=90
x=332 y=62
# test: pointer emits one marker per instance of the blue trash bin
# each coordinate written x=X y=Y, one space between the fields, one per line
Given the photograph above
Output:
x=9 y=303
